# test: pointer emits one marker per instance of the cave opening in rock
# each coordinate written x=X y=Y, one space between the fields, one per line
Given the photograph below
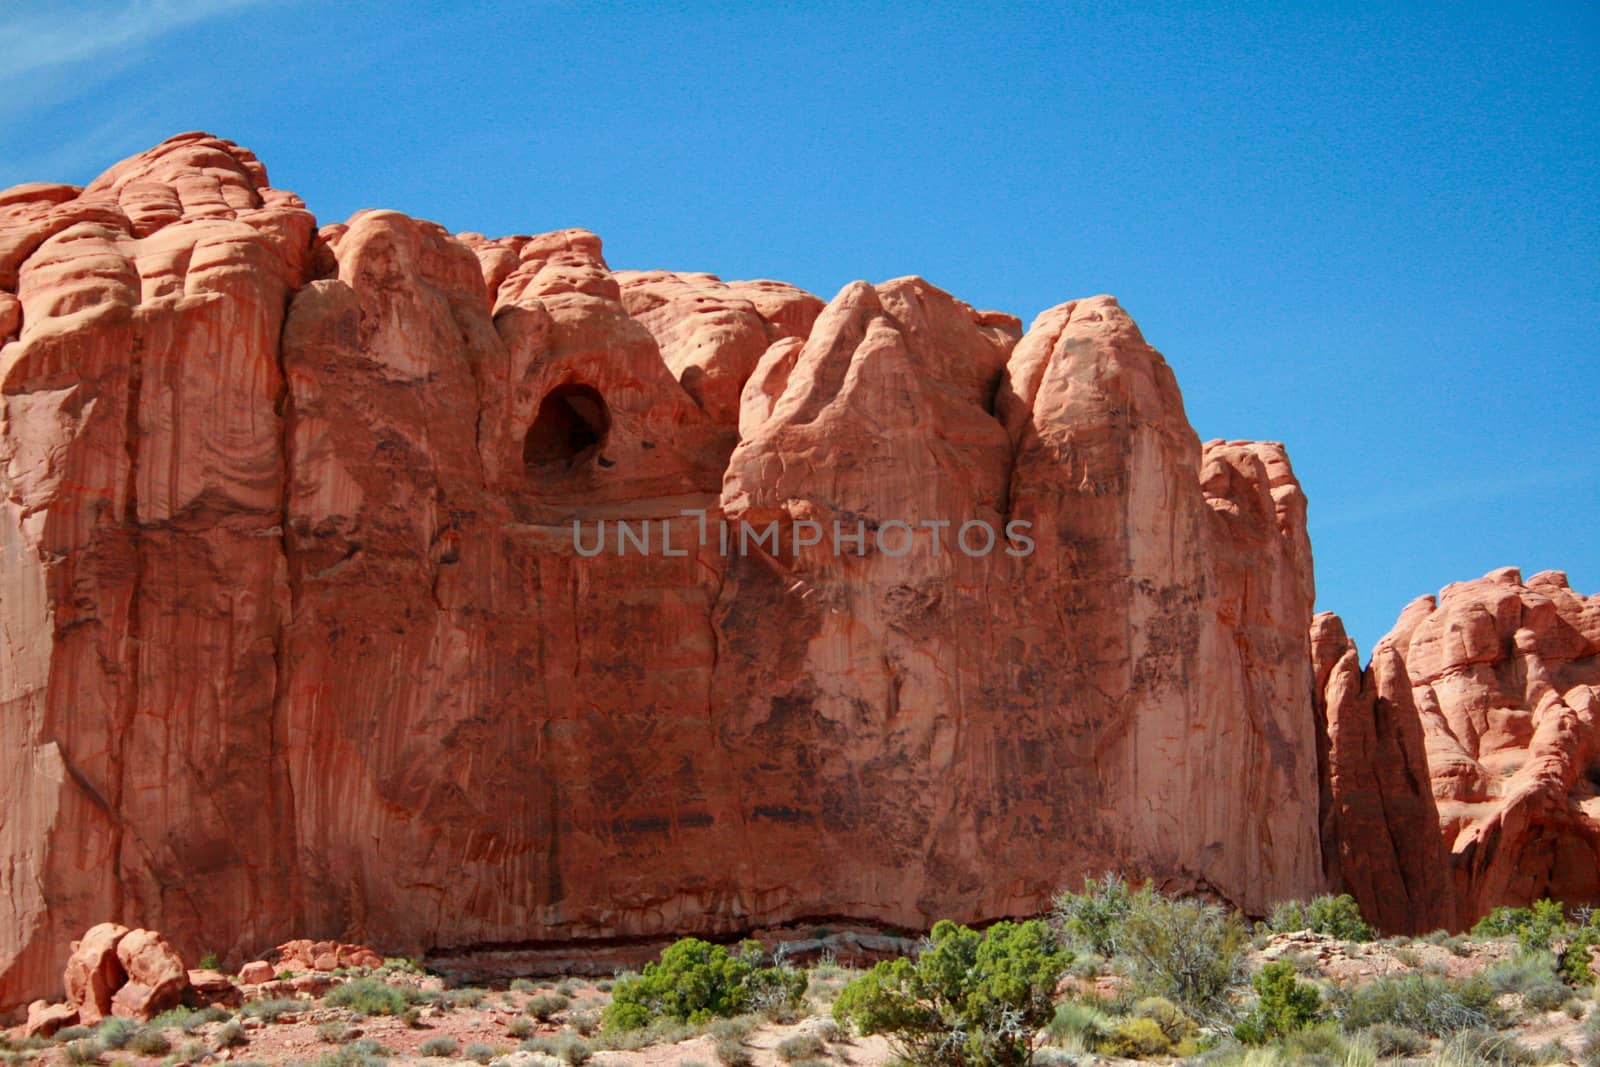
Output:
x=572 y=424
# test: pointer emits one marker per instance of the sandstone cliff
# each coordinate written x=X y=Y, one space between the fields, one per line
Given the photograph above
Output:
x=1466 y=760
x=295 y=638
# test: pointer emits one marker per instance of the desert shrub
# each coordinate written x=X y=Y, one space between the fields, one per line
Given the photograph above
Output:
x=210 y=962
x=1574 y=962
x=466 y=997
x=71 y=1033
x=481 y=1054
x=732 y=1053
x=1283 y=1005
x=544 y=1006
x=274 y=1009
x=1078 y=1028
x=228 y=1035
x=1324 y=1043
x=1316 y=1046
x=1551 y=1052
x=1188 y=951
x=149 y=1042
x=438 y=1046
x=1546 y=996
x=115 y=1033
x=81 y=1051
x=520 y=1028
x=738 y=1026
x=695 y=981
x=1534 y=928
x=335 y=1032
x=1053 y=1057
x=211 y=1013
x=356 y=1054
x=969 y=998
x=1088 y=966
x=829 y=1031
x=1092 y=918
x=1136 y=1039
x=1338 y=917
x=521 y=985
x=189 y=1019
x=1528 y=970
x=1179 y=1028
x=573 y=1049
x=800 y=1047
x=1437 y=1007
x=1486 y=1048
x=1390 y=1040
x=370 y=996
x=777 y=992
x=1304 y=963
x=660 y=1032
x=401 y=965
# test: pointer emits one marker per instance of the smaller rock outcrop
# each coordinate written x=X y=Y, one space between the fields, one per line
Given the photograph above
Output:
x=94 y=973
x=256 y=971
x=308 y=955
x=134 y=974
x=45 y=1018
x=211 y=987
x=157 y=978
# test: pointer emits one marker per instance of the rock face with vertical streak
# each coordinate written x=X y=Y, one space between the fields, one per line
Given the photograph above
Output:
x=317 y=619
x=144 y=574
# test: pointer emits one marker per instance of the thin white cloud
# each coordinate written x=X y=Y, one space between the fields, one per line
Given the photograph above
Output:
x=37 y=43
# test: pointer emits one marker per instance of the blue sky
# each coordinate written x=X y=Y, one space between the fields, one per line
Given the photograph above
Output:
x=1371 y=233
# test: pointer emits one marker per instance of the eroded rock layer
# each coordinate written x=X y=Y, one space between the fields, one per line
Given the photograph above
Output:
x=1465 y=761
x=296 y=638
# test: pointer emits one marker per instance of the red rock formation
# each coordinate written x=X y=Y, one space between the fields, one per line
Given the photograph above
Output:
x=306 y=955
x=1498 y=684
x=206 y=986
x=157 y=978
x=143 y=492
x=45 y=1019
x=135 y=974
x=1506 y=679
x=295 y=637
x=1380 y=828
x=95 y=972
x=257 y=971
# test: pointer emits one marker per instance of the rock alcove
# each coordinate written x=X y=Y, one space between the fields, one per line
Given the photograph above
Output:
x=571 y=427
